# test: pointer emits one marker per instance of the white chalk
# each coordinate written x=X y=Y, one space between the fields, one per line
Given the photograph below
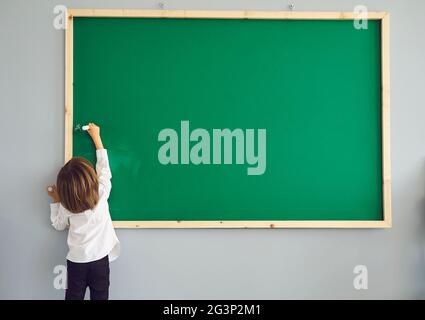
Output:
x=85 y=128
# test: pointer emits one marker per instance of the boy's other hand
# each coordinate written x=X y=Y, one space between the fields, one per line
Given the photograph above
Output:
x=94 y=132
x=53 y=193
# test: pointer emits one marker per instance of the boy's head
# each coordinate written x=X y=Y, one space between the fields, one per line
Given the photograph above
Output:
x=78 y=185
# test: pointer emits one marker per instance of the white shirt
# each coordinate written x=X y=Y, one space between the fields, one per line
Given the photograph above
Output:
x=91 y=234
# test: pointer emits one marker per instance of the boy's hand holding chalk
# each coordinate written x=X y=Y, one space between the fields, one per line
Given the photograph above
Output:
x=94 y=132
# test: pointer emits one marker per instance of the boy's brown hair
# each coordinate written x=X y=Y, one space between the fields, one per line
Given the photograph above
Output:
x=78 y=185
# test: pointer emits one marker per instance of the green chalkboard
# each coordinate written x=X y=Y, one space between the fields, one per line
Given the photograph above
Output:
x=313 y=85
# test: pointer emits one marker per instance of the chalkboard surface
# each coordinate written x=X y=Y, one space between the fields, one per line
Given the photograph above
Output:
x=313 y=85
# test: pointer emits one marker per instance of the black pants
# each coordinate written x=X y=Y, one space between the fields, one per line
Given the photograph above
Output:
x=94 y=275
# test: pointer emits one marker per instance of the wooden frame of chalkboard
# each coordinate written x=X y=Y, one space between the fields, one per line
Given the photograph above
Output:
x=386 y=222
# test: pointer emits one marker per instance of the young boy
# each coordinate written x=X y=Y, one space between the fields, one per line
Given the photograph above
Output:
x=81 y=204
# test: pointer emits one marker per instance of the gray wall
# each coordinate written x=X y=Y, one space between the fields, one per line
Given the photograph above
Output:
x=198 y=264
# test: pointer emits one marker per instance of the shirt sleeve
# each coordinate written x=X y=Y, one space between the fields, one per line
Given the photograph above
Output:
x=58 y=217
x=104 y=173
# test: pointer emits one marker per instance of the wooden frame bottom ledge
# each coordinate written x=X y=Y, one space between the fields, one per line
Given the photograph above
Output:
x=253 y=224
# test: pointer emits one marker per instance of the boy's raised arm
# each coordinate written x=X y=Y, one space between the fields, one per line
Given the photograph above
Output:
x=102 y=163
